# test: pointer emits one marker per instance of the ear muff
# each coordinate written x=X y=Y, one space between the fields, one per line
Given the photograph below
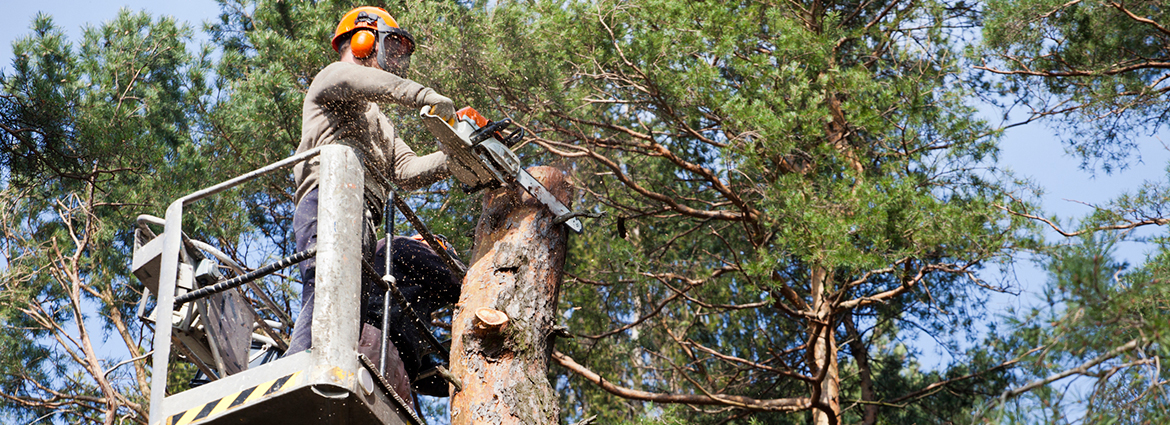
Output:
x=362 y=44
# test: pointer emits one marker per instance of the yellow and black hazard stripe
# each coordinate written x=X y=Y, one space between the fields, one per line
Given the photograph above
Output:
x=233 y=400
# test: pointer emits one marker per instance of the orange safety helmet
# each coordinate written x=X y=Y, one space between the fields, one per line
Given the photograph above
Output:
x=380 y=27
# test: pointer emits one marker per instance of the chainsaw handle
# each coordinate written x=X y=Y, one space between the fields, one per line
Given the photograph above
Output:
x=514 y=139
x=489 y=130
x=496 y=129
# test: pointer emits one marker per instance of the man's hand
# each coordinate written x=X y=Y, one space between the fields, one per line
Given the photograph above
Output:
x=441 y=106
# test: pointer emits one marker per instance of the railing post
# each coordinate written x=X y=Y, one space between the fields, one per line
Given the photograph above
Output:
x=168 y=275
x=339 y=225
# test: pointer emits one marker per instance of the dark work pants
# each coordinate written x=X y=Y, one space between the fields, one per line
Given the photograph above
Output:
x=421 y=275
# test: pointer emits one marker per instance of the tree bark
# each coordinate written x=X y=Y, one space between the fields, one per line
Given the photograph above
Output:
x=865 y=373
x=517 y=266
x=827 y=408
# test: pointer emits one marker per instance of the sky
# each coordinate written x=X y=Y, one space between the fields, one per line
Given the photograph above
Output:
x=72 y=15
x=1030 y=150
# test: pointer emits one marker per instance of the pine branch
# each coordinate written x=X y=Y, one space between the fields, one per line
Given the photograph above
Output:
x=793 y=404
x=1082 y=369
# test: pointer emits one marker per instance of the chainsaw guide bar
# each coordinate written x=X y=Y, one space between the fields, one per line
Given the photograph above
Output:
x=479 y=159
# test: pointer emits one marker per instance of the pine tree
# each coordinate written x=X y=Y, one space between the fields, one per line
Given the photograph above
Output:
x=1096 y=72
x=791 y=191
x=789 y=188
x=89 y=133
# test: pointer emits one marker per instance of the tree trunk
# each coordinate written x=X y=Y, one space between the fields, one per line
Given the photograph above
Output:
x=861 y=355
x=516 y=270
x=827 y=407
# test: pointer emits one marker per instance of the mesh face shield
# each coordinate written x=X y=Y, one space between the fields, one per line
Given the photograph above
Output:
x=395 y=46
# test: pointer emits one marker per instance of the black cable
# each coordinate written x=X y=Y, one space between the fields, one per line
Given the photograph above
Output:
x=224 y=285
x=458 y=269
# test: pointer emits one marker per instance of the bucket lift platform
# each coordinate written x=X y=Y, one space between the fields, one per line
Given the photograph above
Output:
x=292 y=390
x=330 y=383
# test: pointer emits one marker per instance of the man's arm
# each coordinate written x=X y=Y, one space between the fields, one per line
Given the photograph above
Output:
x=413 y=171
x=347 y=82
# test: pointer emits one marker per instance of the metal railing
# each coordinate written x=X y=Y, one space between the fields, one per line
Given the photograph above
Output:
x=335 y=160
x=336 y=324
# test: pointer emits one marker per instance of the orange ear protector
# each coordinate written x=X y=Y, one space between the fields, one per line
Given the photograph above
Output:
x=362 y=43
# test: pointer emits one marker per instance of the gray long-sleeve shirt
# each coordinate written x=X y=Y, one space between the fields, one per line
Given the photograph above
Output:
x=340 y=108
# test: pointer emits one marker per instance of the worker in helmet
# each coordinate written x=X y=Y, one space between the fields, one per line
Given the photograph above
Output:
x=341 y=106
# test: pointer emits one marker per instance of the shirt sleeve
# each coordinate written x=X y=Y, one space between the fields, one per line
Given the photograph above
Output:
x=413 y=171
x=348 y=82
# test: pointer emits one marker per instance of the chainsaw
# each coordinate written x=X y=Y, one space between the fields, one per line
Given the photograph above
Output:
x=479 y=155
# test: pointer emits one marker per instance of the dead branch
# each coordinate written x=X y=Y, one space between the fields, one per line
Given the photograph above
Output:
x=1082 y=369
x=793 y=404
x=1079 y=72
x=749 y=363
x=905 y=286
x=1129 y=225
x=932 y=388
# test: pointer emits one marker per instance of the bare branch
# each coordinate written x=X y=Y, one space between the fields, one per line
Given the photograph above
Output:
x=905 y=286
x=793 y=404
x=1082 y=369
x=629 y=182
x=749 y=363
x=1129 y=225
x=1050 y=13
x=932 y=388
x=1080 y=73
x=691 y=283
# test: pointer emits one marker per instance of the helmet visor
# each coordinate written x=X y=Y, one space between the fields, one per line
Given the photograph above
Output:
x=397 y=45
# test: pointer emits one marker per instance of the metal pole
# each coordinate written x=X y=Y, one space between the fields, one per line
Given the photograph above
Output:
x=421 y=227
x=292 y=160
x=388 y=277
x=168 y=276
x=408 y=310
x=336 y=323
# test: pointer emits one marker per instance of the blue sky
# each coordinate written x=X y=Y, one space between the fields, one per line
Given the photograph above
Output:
x=72 y=15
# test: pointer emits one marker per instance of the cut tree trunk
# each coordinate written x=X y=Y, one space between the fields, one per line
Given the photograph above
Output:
x=501 y=340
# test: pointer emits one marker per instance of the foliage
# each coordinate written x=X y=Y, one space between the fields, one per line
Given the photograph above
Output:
x=793 y=192
x=766 y=170
x=1097 y=67
x=89 y=132
x=1101 y=323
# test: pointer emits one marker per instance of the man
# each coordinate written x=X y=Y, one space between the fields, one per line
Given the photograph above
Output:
x=340 y=108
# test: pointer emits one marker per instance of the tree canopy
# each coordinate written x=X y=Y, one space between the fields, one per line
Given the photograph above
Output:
x=90 y=132
x=1097 y=71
